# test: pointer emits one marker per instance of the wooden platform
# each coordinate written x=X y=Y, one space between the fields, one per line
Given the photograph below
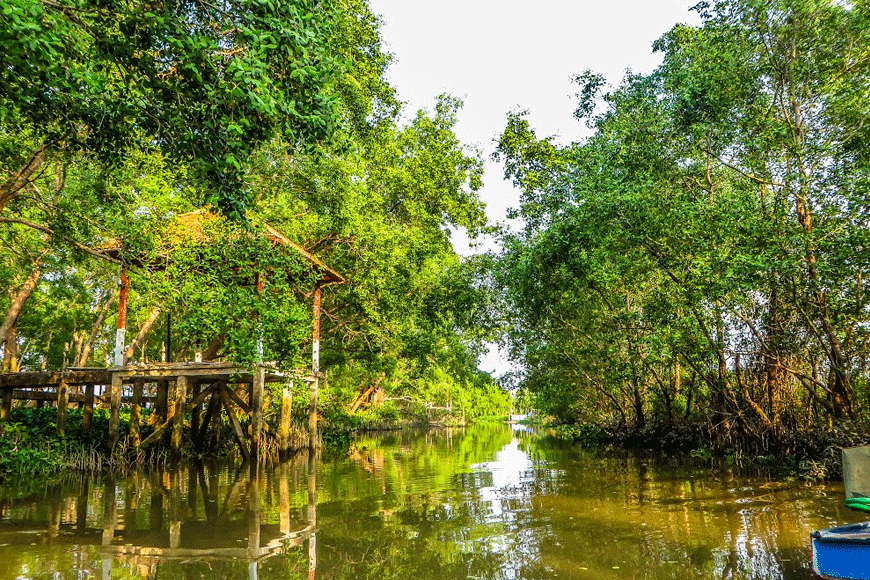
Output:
x=103 y=376
x=226 y=386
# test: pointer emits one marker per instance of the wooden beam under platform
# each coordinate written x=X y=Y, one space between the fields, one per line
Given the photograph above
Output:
x=194 y=383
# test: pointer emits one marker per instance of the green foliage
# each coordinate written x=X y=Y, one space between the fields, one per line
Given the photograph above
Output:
x=241 y=287
x=275 y=112
x=701 y=257
x=208 y=84
x=29 y=445
x=584 y=434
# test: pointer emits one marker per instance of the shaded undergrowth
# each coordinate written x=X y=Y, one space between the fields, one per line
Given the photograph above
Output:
x=812 y=454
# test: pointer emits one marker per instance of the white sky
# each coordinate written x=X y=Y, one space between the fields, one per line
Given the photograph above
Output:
x=505 y=55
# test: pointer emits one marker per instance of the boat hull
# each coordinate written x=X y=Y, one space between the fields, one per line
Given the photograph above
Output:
x=842 y=553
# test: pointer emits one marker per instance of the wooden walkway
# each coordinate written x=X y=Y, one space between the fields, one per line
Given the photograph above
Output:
x=172 y=390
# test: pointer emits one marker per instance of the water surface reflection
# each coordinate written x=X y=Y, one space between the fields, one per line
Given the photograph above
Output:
x=485 y=502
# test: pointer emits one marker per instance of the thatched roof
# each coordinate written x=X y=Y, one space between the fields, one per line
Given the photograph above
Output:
x=191 y=226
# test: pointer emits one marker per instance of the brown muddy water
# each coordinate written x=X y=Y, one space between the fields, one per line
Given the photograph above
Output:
x=486 y=502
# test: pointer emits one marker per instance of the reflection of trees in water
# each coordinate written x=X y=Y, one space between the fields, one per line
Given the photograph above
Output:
x=666 y=521
x=418 y=510
x=476 y=503
x=162 y=524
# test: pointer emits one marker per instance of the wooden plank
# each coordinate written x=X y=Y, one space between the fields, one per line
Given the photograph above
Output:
x=312 y=416
x=214 y=408
x=257 y=412
x=178 y=416
x=135 y=412
x=62 y=404
x=88 y=411
x=195 y=409
x=243 y=405
x=101 y=376
x=158 y=431
x=6 y=404
x=237 y=428
x=34 y=395
x=115 y=408
x=286 y=418
x=45 y=379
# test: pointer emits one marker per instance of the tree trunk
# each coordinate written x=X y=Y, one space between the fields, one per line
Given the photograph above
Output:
x=10 y=352
x=146 y=327
x=720 y=395
x=21 y=297
x=211 y=351
x=639 y=416
x=771 y=352
x=744 y=390
x=842 y=386
x=85 y=353
x=21 y=178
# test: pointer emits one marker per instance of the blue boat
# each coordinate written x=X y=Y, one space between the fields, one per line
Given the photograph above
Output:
x=843 y=553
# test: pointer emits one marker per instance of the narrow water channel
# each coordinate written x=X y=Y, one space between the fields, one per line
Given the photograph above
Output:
x=487 y=502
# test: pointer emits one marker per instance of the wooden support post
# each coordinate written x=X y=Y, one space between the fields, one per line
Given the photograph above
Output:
x=216 y=423
x=110 y=512
x=88 y=410
x=115 y=407
x=214 y=409
x=136 y=412
x=156 y=506
x=315 y=370
x=257 y=413
x=192 y=487
x=312 y=416
x=6 y=403
x=121 y=333
x=178 y=415
x=55 y=501
x=286 y=418
x=62 y=404
x=110 y=523
x=194 y=414
x=131 y=488
x=237 y=428
x=175 y=501
x=161 y=404
x=315 y=343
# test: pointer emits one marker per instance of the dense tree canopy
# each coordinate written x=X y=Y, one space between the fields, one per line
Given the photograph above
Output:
x=702 y=256
x=119 y=118
x=206 y=83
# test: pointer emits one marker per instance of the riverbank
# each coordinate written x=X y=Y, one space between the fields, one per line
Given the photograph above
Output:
x=811 y=454
x=29 y=445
